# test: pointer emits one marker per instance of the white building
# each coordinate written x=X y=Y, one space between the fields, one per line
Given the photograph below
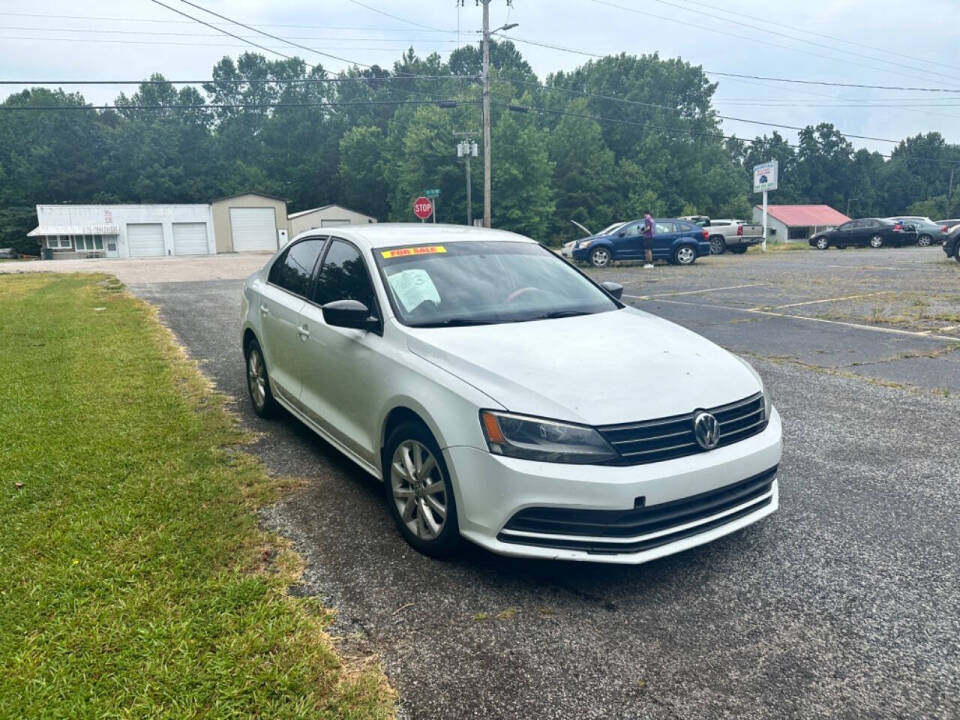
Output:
x=326 y=216
x=78 y=231
x=797 y=222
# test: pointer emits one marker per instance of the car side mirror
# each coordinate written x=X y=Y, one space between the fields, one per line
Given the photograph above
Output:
x=615 y=289
x=349 y=314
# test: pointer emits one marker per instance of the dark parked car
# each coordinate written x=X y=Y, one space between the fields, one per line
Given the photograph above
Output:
x=928 y=232
x=677 y=241
x=865 y=231
x=951 y=245
x=8 y=254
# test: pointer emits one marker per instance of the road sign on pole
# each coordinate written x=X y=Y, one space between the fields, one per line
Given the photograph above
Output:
x=422 y=208
x=765 y=178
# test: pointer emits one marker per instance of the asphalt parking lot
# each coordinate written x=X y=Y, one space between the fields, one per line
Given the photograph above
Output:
x=845 y=603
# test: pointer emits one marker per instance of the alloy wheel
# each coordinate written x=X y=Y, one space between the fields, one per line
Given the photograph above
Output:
x=717 y=246
x=419 y=490
x=924 y=240
x=257 y=378
x=822 y=244
x=600 y=257
x=876 y=241
x=685 y=255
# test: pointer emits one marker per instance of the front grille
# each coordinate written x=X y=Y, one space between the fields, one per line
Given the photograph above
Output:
x=753 y=493
x=673 y=437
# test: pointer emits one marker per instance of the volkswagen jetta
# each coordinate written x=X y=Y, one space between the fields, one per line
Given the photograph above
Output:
x=503 y=396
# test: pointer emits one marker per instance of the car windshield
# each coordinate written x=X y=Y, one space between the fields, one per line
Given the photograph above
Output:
x=483 y=283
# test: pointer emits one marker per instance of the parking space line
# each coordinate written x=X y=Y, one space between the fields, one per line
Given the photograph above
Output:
x=826 y=300
x=694 y=292
x=890 y=331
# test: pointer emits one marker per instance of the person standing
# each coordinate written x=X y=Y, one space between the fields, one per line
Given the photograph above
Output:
x=649 y=227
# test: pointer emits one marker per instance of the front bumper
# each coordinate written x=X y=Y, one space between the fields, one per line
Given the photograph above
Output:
x=491 y=489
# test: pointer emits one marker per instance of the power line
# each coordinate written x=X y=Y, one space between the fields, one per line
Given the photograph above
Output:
x=225 y=32
x=820 y=34
x=257 y=81
x=721 y=117
x=184 y=22
x=832 y=84
x=100 y=41
x=244 y=106
x=210 y=35
x=685 y=131
x=397 y=17
x=741 y=37
x=669 y=3
x=266 y=34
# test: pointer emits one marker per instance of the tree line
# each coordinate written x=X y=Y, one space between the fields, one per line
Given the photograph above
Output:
x=601 y=143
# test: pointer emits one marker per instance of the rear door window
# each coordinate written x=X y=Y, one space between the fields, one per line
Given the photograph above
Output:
x=293 y=270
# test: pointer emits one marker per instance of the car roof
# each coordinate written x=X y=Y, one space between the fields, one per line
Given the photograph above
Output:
x=385 y=235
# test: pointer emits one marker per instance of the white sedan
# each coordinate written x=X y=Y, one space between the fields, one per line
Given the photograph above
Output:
x=504 y=397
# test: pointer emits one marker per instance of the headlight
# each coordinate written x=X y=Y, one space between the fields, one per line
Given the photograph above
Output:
x=584 y=244
x=533 y=438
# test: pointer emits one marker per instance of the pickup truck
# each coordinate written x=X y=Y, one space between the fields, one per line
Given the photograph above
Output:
x=733 y=235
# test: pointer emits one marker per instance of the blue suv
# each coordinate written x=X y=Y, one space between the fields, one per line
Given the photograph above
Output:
x=677 y=241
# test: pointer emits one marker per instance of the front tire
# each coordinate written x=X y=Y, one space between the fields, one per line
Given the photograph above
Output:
x=739 y=249
x=601 y=257
x=418 y=491
x=924 y=241
x=258 y=382
x=821 y=243
x=684 y=255
x=718 y=245
x=876 y=242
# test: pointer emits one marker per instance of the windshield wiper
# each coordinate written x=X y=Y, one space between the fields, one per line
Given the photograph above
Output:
x=454 y=322
x=558 y=314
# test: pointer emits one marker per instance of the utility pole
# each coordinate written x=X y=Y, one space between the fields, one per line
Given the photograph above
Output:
x=950 y=193
x=466 y=149
x=485 y=72
x=485 y=75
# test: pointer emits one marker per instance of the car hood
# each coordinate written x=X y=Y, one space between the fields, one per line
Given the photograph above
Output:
x=613 y=367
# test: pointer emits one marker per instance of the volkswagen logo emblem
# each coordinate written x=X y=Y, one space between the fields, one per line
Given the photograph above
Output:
x=706 y=429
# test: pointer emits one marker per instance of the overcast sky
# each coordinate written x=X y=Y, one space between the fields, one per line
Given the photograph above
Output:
x=878 y=42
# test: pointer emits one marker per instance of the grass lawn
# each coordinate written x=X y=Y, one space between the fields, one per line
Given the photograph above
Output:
x=133 y=579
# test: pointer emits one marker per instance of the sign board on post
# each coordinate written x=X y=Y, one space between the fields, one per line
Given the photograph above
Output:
x=765 y=178
x=422 y=207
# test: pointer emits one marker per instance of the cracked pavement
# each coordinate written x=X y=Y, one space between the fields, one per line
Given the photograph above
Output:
x=845 y=603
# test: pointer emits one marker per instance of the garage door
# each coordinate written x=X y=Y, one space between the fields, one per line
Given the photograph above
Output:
x=145 y=239
x=190 y=239
x=253 y=229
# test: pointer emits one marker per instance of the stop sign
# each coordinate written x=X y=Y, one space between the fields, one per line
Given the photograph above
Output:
x=422 y=208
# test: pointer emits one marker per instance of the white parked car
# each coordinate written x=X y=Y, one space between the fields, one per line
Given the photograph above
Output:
x=503 y=396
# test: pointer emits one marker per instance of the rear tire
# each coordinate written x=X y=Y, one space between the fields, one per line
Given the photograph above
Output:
x=258 y=382
x=876 y=242
x=718 y=245
x=739 y=249
x=821 y=243
x=685 y=255
x=956 y=252
x=925 y=241
x=418 y=491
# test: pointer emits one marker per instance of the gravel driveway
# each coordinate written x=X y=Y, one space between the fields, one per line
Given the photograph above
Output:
x=846 y=603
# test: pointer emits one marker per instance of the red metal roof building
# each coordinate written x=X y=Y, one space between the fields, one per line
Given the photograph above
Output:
x=798 y=222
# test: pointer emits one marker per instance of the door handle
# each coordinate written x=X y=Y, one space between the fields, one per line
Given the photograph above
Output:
x=303 y=332
x=264 y=310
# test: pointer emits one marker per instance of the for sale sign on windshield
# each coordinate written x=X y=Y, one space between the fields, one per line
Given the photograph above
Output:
x=765 y=176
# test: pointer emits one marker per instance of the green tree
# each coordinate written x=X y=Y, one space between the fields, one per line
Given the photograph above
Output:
x=362 y=183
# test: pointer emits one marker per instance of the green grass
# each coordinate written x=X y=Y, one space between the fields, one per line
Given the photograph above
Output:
x=134 y=581
x=795 y=246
